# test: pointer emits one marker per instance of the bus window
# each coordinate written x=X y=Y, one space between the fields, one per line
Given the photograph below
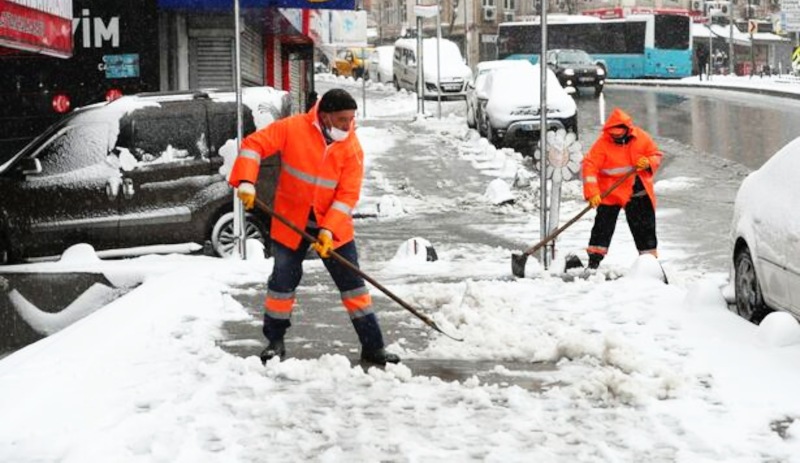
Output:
x=672 y=32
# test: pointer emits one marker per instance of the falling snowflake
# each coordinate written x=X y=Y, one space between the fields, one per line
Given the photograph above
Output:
x=564 y=154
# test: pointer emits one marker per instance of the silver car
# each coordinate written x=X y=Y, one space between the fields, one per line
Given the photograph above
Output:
x=475 y=86
x=510 y=106
x=765 y=237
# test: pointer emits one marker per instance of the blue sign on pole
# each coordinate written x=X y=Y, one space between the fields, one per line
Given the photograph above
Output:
x=228 y=4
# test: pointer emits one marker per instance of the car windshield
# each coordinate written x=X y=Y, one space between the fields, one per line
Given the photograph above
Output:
x=512 y=87
x=451 y=55
x=574 y=57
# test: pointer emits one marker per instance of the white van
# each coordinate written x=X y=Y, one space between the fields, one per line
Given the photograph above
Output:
x=455 y=73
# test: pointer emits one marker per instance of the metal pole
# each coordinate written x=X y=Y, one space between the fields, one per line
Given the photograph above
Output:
x=731 y=51
x=238 y=208
x=438 y=60
x=545 y=257
x=420 y=73
x=466 y=32
x=710 y=49
x=364 y=80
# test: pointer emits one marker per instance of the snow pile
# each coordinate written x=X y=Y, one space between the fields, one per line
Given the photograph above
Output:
x=80 y=253
x=779 y=329
x=498 y=193
x=416 y=249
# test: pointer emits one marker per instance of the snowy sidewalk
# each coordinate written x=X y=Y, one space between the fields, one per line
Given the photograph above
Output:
x=643 y=371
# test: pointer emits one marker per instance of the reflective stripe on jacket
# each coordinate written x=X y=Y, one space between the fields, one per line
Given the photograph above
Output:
x=313 y=174
x=606 y=161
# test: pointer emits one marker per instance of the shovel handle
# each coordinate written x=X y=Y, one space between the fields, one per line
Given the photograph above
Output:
x=306 y=236
x=580 y=214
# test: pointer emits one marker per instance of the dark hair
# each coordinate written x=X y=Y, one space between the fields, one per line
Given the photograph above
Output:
x=336 y=100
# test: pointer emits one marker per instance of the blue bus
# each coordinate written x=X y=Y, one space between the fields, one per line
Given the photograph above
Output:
x=634 y=47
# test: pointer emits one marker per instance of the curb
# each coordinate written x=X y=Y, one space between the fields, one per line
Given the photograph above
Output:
x=667 y=84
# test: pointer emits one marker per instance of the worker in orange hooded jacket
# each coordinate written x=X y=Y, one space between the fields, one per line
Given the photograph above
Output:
x=621 y=148
x=322 y=167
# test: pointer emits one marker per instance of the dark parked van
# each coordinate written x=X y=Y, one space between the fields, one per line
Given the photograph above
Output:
x=143 y=170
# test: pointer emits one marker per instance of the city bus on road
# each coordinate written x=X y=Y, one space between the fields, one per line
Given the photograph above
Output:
x=633 y=47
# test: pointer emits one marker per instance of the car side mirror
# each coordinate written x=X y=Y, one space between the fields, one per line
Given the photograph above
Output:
x=30 y=166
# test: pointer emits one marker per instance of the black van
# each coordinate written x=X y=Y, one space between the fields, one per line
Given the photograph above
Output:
x=146 y=169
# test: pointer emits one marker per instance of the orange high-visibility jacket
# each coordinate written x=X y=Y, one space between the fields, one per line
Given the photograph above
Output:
x=606 y=161
x=313 y=174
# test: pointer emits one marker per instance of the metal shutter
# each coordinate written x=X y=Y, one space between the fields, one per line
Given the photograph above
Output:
x=212 y=58
x=212 y=62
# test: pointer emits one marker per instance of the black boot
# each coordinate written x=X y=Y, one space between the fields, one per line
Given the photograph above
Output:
x=274 y=349
x=371 y=338
x=379 y=356
x=594 y=260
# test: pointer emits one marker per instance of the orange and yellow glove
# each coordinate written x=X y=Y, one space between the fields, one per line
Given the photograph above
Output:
x=595 y=200
x=642 y=163
x=324 y=244
x=247 y=193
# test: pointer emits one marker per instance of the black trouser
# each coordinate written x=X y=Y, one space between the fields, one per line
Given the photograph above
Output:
x=641 y=220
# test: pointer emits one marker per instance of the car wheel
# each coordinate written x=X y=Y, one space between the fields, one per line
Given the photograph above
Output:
x=396 y=84
x=749 y=300
x=223 y=238
x=335 y=71
x=492 y=136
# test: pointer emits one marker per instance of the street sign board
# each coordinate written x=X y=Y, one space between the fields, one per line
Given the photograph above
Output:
x=790 y=15
x=38 y=27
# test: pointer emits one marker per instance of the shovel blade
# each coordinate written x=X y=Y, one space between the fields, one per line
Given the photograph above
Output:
x=518 y=262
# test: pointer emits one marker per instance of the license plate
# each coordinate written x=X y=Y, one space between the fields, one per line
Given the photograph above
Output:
x=452 y=87
x=586 y=79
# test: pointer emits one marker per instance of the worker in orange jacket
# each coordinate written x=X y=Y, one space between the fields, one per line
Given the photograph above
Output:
x=322 y=167
x=621 y=148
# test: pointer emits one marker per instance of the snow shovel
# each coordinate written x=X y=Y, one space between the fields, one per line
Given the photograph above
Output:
x=518 y=261
x=425 y=318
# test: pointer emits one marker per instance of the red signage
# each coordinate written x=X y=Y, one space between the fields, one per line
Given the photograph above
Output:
x=39 y=27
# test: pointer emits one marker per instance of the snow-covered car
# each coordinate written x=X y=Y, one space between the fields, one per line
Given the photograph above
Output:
x=379 y=65
x=511 y=104
x=475 y=86
x=454 y=72
x=575 y=69
x=146 y=169
x=765 y=237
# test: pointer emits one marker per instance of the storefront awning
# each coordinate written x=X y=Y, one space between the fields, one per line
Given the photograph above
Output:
x=38 y=27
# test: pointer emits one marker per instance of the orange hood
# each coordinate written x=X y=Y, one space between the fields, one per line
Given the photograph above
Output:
x=618 y=117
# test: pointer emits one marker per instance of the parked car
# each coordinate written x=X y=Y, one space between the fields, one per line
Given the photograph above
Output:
x=379 y=66
x=576 y=69
x=349 y=62
x=142 y=170
x=475 y=87
x=454 y=72
x=765 y=237
x=511 y=105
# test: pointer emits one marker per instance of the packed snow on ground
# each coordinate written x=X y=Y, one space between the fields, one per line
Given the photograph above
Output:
x=631 y=369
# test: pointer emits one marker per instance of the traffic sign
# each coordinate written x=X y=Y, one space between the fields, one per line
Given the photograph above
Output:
x=752 y=27
x=796 y=58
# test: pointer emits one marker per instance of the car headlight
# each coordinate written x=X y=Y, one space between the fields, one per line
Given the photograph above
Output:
x=601 y=72
x=569 y=72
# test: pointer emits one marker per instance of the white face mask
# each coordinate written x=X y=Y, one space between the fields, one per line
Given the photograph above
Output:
x=337 y=134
